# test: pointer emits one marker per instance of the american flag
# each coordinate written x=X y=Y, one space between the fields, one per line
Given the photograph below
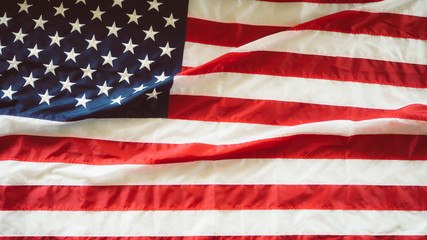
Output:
x=213 y=119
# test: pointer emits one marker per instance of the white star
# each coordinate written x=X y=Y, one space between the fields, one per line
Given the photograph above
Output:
x=129 y=46
x=153 y=94
x=82 y=101
x=76 y=26
x=39 y=22
x=45 y=97
x=1 y=47
x=13 y=64
x=92 y=43
x=34 y=51
x=170 y=21
x=71 y=55
x=4 y=19
x=56 y=39
x=66 y=84
x=30 y=80
x=133 y=17
x=8 y=93
x=154 y=5
x=161 y=78
x=24 y=6
x=113 y=29
x=139 y=89
x=87 y=71
x=118 y=3
x=167 y=50
x=97 y=13
x=60 y=10
x=117 y=100
x=150 y=33
x=124 y=76
x=108 y=59
x=103 y=89
x=145 y=63
x=19 y=36
x=83 y=1
x=50 y=68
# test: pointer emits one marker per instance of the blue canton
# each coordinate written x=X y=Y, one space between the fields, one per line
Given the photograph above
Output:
x=72 y=60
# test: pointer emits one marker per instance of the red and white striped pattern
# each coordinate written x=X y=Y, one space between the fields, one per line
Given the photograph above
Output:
x=365 y=63
x=281 y=128
x=216 y=27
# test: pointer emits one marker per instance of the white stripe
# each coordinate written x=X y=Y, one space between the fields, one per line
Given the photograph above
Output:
x=319 y=43
x=342 y=44
x=184 y=131
x=212 y=223
x=407 y=7
x=262 y=13
x=240 y=171
x=292 y=89
x=196 y=54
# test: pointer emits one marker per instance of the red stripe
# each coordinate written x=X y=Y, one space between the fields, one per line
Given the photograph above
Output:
x=235 y=34
x=219 y=109
x=226 y=34
x=212 y=197
x=292 y=237
x=384 y=24
x=185 y=68
x=317 y=67
x=97 y=152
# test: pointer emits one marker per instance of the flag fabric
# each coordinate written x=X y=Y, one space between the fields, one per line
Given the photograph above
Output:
x=71 y=61
x=213 y=119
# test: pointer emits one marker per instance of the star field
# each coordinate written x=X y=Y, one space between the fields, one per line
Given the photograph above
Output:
x=70 y=60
